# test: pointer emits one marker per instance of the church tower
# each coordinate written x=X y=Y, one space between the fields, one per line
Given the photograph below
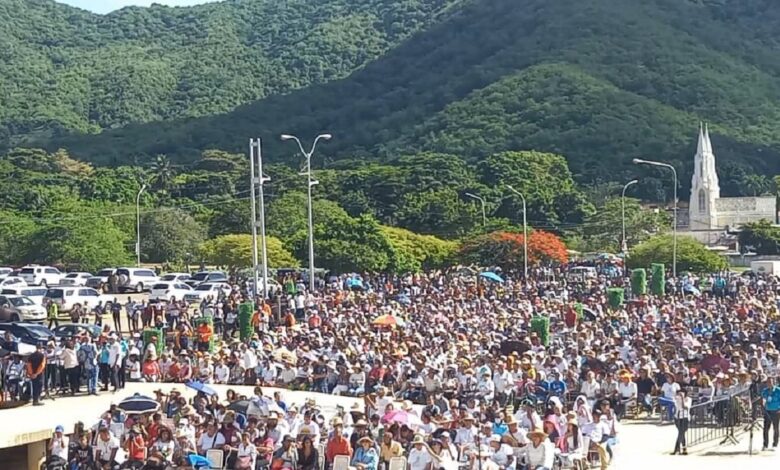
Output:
x=704 y=185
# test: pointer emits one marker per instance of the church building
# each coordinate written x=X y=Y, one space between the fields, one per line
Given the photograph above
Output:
x=710 y=215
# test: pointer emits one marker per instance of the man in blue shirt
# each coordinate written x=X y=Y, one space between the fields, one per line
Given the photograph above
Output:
x=771 y=396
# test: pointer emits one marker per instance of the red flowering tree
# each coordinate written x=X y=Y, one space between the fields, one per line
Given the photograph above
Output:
x=505 y=249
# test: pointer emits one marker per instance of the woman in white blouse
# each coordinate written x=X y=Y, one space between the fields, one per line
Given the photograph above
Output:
x=573 y=448
x=591 y=388
x=164 y=445
x=246 y=457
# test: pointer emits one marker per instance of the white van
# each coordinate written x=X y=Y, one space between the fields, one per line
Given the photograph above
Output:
x=68 y=297
x=43 y=276
x=582 y=274
x=36 y=294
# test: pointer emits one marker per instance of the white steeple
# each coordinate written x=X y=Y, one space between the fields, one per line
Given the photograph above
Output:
x=705 y=189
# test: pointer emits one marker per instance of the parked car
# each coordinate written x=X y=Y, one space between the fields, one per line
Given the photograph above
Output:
x=207 y=290
x=75 y=279
x=11 y=281
x=68 y=297
x=136 y=279
x=180 y=277
x=4 y=272
x=26 y=333
x=76 y=329
x=36 y=275
x=167 y=290
x=20 y=308
x=206 y=276
x=100 y=280
x=36 y=294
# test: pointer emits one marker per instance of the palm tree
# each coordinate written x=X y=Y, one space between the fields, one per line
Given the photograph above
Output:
x=162 y=173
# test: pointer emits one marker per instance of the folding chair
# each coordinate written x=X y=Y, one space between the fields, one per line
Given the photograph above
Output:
x=321 y=457
x=216 y=458
x=397 y=463
x=341 y=462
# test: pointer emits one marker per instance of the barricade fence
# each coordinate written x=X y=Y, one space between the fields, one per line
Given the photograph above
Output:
x=723 y=418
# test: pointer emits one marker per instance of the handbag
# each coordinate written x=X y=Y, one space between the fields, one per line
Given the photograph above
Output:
x=277 y=464
x=243 y=463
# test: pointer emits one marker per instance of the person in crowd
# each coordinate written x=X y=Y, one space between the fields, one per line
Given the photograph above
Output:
x=365 y=456
x=771 y=397
x=682 y=415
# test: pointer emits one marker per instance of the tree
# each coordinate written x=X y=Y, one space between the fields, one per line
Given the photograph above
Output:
x=170 y=235
x=762 y=237
x=414 y=252
x=505 y=249
x=287 y=215
x=349 y=245
x=234 y=251
x=602 y=230
x=15 y=233
x=162 y=173
x=691 y=255
x=440 y=212
x=756 y=185
x=88 y=244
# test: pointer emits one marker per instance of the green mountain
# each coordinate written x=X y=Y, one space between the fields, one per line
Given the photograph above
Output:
x=597 y=81
x=65 y=69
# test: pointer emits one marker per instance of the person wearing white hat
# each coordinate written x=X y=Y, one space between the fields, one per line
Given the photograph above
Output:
x=419 y=457
x=540 y=453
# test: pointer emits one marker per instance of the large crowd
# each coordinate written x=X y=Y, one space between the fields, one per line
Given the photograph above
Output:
x=449 y=368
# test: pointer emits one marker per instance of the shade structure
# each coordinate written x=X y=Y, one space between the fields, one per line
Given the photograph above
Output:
x=491 y=276
x=199 y=386
x=388 y=320
x=138 y=404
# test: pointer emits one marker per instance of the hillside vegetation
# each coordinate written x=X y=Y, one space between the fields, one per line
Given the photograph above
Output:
x=595 y=80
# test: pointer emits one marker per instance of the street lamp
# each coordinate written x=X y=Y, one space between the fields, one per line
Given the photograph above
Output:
x=525 y=232
x=624 y=245
x=639 y=161
x=482 y=202
x=257 y=180
x=311 y=183
x=138 y=225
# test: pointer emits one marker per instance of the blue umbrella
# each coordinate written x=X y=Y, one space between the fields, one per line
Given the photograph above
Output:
x=200 y=387
x=198 y=462
x=490 y=275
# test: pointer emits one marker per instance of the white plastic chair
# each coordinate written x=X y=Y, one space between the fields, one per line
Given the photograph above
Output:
x=216 y=458
x=397 y=463
x=341 y=462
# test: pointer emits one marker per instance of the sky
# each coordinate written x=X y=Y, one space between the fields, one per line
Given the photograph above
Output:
x=106 y=6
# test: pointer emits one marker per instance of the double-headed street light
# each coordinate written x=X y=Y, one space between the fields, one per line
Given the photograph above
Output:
x=639 y=161
x=624 y=244
x=525 y=232
x=311 y=183
x=482 y=202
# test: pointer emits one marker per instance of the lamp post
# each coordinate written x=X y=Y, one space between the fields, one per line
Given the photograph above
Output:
x=639 y=161
x=624 y=244
x=311 y=183
x=525 y=231
x=256 y=181
x=482 y=202
x=138 y=225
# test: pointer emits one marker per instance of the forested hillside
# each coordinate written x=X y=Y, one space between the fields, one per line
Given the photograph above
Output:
x=62 y=68
x=595 y=80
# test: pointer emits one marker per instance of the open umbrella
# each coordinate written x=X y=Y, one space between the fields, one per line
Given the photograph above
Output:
x=388 y=320
x=491 y=276
x=200 y=387
x=402 y=417
x=138 y=404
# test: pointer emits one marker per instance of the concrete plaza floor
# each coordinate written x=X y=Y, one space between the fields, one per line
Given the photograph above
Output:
x=643 y=445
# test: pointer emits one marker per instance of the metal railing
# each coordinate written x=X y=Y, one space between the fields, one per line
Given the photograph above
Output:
x=723 y=418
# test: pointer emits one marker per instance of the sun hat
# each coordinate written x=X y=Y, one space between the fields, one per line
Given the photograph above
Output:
x=537 y=432
x=364 y=439
x=418 y=439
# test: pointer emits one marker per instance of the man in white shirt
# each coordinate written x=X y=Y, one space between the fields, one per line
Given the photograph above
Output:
x=106 y=446
x=59 y=444
x=211 y=439
x=504 y=383
x=502 y=453
x=540 y=453
x=221 y=372
x=115 y=361
x=419 y=458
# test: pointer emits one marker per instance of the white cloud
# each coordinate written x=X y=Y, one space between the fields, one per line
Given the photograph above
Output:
x=106 y=6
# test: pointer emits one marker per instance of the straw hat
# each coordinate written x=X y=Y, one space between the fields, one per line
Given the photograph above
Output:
x=336 y=421
x=361 y=422
x=538 y=432
x=365 y=439
x=187 y=410
x=418 y=439
x=406 y=405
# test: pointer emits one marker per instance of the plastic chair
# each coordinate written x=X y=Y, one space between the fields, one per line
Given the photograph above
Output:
x=397 y=463
x=341 y=462
x=216 y=458
x=321 y=457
